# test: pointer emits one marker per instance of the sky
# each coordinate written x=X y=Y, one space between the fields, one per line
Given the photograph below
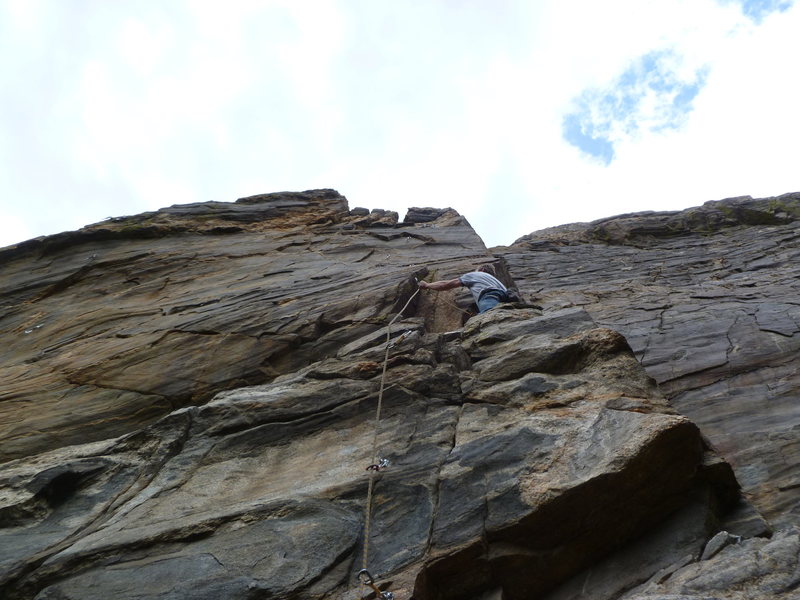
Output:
x=519 y=114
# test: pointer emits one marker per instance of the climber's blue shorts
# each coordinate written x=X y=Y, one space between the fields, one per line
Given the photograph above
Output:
x=490 y=299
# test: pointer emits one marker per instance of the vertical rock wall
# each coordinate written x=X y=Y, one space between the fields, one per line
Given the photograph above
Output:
x=708 y=299
x=188 y=411
x=111 y=327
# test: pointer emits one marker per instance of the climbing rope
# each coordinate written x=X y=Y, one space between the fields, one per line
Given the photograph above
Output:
x=456 y=306
x=378 y=463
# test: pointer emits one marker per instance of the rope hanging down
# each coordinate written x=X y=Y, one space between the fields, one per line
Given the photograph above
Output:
x=364 y=575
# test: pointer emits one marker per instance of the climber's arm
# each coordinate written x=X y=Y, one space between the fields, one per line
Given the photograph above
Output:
x=445 y=284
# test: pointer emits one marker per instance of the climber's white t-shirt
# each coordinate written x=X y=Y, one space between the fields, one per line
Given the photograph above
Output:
x=478 y=281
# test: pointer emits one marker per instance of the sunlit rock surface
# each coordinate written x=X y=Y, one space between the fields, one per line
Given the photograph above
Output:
x=189 y=411
x=111 y=327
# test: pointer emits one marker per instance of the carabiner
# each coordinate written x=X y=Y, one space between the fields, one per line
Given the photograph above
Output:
x=365 y=578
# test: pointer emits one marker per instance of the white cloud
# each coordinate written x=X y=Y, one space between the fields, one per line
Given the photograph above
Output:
x=144 y=45
x=655 y=93
x=16 y=228
x=726 y=146
x=129 y=107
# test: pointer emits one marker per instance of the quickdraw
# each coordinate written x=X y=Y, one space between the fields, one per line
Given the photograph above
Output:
x=364 y=575
x=365 y=578
x=382 y=464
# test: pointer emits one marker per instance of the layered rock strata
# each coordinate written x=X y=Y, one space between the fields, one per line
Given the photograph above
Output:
x=708 y=300
x=520 y=450
x=111 y=327
x=189 y=408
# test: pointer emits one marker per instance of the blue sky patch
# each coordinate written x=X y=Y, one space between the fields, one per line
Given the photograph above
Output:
x=581 y=134
x=758 y=9
x=654 y=94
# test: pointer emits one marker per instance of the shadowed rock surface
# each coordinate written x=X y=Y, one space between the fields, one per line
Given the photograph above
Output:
x=188 y=411
x=709 y=299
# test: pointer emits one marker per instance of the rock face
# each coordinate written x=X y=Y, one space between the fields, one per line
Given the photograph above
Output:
x=201 y=402
x=708 y=300
x=111 y=327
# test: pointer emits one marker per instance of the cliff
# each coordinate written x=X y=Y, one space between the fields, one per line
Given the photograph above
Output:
x=198 y=403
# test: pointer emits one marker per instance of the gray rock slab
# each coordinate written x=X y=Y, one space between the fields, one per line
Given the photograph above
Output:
x=707 y=299
x=261 y=492
x=755 y=568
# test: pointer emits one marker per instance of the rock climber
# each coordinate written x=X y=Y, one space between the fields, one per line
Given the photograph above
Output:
x=486 y=289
